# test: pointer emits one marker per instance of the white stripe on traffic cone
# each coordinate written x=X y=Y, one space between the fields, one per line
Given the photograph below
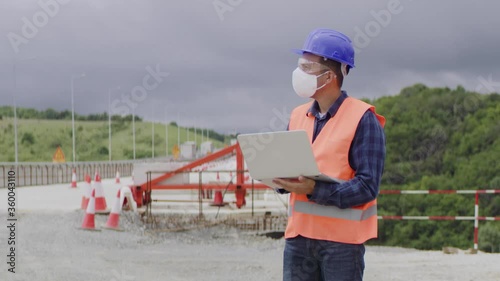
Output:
x=100 y=200
x=89 y=219
x=114 y=216
x=73 y=179
x=87 y=190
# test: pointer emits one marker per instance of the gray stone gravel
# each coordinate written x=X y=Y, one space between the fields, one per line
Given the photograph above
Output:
x=51 y=247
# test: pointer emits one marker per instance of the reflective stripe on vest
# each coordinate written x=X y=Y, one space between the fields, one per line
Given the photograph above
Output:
x=334 y=212
x=331 y=150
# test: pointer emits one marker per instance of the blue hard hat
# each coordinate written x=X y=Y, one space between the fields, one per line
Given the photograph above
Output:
x=330 y=44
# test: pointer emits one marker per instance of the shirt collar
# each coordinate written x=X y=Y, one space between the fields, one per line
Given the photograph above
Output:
x=314 y=109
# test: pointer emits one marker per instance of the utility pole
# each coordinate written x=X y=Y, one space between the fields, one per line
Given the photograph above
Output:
x=109 y=122
x=153 y=132
x=178 y=131
x=133 y=129
x=166 y=135
x=73 y=113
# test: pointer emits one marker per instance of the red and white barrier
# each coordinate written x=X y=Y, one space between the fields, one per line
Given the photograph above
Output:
x=476 y=222
x=476 y=218
x=126 y=193
x=439 y=218
x=480 y=191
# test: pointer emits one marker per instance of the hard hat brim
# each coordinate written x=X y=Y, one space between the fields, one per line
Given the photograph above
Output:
x=301 y=52
x=298 y=51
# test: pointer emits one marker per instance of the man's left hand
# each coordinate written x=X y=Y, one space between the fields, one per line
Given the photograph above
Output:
x=302 y=185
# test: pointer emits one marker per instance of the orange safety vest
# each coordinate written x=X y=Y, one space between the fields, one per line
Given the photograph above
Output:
x=331 y=149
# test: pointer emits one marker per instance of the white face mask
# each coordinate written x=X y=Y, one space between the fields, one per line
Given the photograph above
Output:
x=304 y=84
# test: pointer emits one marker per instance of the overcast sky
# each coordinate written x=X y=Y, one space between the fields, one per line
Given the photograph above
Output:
x=226 y=64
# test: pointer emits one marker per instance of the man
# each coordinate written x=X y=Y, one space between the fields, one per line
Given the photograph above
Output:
x=329 y=222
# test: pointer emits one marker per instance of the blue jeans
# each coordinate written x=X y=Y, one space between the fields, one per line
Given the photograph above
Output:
x=307 y=259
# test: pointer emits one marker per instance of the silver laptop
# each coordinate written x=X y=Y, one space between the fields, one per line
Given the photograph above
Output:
x=286 y=154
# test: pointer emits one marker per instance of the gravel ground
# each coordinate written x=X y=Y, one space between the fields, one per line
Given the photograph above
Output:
x=51 y=247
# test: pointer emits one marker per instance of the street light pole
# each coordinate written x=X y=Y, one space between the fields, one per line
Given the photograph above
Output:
x=73 y=117
x=166 y=135
x=73 y=113
x=109 y=121
x=153 y=133
x=133 y=129
x=178 y=131
x=14 y=70
x=109 y=124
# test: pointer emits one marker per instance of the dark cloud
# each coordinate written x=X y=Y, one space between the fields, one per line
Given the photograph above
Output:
x=232 y=74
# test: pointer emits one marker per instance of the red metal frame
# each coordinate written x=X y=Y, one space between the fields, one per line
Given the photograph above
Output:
x=231 y=150
x=222 y=185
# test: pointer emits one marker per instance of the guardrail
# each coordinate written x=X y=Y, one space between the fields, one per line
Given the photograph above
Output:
x=29 y=174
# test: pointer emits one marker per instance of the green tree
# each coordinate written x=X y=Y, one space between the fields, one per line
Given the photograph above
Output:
x=28 y=138
x=103 y=150
x=489 y=237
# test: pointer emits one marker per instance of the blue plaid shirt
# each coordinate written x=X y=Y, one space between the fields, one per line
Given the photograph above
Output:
x=366 y=158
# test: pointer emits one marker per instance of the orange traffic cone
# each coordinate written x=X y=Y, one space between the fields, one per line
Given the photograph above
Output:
x=73 y=179
x=218 y=200
x=86 y=192
x=117 y=178
x=114 y=216
x=100 y=200
x=89 y=219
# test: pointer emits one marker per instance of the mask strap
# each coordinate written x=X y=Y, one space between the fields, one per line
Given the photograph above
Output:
x=343 y=69
x=319 y=77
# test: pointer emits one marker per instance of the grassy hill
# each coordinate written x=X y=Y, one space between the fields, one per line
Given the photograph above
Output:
x=38 y=139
